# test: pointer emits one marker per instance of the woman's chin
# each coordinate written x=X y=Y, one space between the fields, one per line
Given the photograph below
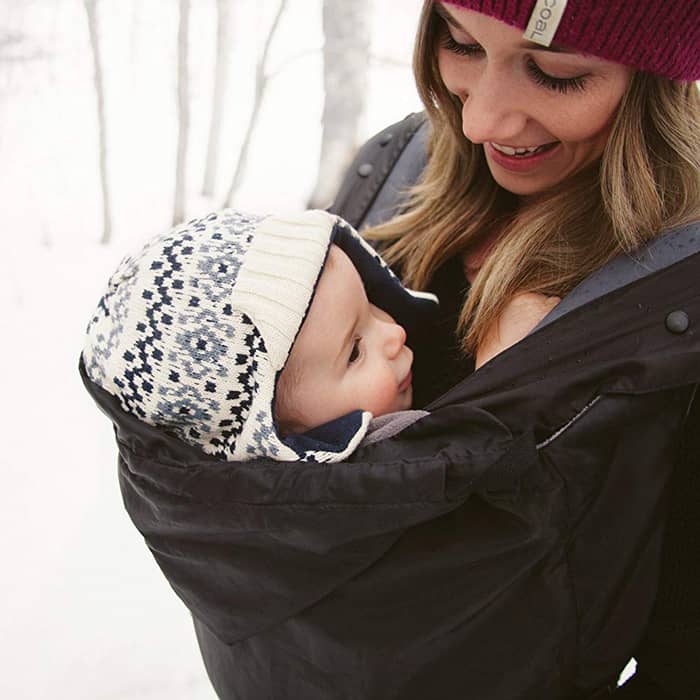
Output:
x=520 y=185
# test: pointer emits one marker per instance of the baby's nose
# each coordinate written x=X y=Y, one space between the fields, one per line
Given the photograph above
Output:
x=395 y=338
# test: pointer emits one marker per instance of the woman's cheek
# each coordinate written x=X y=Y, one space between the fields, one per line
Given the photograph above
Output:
x=591 y=114
x=453 y=73
x=584 y=124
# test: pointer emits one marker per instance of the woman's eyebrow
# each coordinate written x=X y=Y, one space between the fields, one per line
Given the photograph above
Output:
x=531 y=46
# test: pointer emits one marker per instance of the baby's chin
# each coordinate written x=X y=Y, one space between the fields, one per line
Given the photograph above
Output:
x=404 y=400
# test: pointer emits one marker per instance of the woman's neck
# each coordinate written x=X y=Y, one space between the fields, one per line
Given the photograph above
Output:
x=473 y=259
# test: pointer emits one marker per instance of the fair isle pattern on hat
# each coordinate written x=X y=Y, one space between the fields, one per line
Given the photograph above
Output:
x=656 y=36
x=164 y=338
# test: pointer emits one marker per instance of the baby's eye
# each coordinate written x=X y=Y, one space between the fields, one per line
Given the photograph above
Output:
x=355 y=351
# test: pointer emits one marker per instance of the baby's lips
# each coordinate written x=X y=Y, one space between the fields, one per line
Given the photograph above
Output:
x=406 y=382
x=408 y=378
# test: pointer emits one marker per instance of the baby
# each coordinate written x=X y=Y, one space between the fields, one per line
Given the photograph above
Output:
x=349 y=354
x=260 y=337
x=194 y=332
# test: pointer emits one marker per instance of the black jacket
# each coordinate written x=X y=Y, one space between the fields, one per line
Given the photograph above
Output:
x=506 y=546
x=667 y=656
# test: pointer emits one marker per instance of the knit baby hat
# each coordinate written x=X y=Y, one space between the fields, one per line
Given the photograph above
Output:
x=657 y=36
x=194 y=329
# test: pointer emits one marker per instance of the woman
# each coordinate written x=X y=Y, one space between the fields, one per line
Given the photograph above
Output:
x=613 y=161
x=616 y=159
x=508 y=544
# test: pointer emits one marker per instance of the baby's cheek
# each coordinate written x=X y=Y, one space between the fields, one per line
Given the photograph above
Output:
x=385 y=396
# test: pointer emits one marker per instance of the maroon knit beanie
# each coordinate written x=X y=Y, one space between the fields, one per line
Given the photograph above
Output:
x=657 y=36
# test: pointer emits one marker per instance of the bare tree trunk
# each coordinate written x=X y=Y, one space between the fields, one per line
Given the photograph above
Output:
x=261 y=80
x=346 y=28
x=91 y=11
x=223 y=44
x=183 y=112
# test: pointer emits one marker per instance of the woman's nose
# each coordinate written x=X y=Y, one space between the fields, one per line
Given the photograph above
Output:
x=492 y=111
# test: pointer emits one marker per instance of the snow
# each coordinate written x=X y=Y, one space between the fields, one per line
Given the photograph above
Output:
x=85 y=613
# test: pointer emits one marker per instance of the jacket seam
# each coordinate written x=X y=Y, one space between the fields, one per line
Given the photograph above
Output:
x=560 y=431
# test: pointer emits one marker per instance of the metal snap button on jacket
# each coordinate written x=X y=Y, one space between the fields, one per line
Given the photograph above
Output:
x=385 y=138
x=365 y=170
x=677 y=322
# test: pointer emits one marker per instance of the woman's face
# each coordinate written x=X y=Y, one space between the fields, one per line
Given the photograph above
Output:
x=540 y=113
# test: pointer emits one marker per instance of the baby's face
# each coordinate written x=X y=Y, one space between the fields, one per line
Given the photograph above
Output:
x=348 y=355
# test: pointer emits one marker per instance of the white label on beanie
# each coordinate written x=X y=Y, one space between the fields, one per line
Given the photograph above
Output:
x=544 y=21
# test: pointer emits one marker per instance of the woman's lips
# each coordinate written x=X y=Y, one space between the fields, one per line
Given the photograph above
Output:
x=406 y=382
x=521 y=164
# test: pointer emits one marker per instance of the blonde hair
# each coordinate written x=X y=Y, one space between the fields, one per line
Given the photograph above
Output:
x=647 y=180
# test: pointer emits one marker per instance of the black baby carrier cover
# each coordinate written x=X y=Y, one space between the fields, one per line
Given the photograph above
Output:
x=506 y=545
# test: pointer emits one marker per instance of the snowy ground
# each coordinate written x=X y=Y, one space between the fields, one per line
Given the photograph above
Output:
x=84 y=612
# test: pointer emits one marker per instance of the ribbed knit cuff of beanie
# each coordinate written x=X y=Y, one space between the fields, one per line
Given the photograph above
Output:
x=656 y=36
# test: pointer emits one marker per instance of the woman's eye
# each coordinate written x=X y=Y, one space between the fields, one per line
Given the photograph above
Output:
x=563 y=85
x=449 y=43
x=355 y=351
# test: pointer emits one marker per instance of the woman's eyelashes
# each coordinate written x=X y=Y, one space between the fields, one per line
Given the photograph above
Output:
x=562 y=85
x=451 y=44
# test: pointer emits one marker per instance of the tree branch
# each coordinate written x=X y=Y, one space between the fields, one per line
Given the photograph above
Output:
x=261 y=80
x=91 y=11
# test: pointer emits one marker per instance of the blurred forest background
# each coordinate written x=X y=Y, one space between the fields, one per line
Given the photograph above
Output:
x=128 y=114
x=118 y=118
